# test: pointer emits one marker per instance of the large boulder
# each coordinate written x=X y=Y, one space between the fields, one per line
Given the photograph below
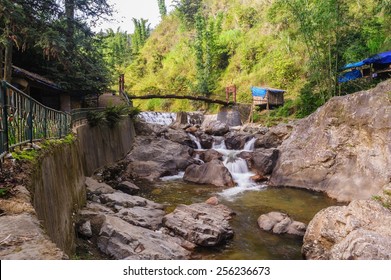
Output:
x=361 y=230
x=213 y=172
x=152 y=158
x=122 y=240
x=343 y=149
x=280 y=223
x=203 y=224
x=216 y=128
x=263 y=161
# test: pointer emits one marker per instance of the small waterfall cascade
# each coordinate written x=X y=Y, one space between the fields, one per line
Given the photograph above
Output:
x=249 y=146
x=158 y=117
x=219 y=143
x=195 y=140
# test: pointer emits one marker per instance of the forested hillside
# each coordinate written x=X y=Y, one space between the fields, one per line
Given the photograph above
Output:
x=297 y=45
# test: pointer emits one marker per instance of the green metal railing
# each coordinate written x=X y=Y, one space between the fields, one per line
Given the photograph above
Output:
x=25 y=120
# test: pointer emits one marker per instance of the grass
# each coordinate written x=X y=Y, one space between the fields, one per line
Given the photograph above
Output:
x=384 y=200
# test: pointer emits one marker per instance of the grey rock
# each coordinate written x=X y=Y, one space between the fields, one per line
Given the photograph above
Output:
x=147 y=217
x=202 y=224
x=213 y=172
x=273 y=137
x=361 y=230
x=96 y=188
x=128 y=187
x=280 y=223
x=128 y=201
x=342 y=149
x=216 y=128
x=152 y=158
x=210 y=155
x=263 y=161
x=122 y=240
x=85 y=229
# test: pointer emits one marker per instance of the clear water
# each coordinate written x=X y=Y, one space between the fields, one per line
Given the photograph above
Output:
x=249 y=243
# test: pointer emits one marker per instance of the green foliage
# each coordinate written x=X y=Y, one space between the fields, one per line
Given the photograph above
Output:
x=95 y=118
x=384 y=199
x=141 y=33
x=162 y=8
x=25 y=155
x=308 y=101
x=114 y=114
x=188 y=10
x=4 y=191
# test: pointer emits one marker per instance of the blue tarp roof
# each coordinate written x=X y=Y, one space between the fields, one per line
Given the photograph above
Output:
x=380 y=58
x=260 y=91
x=349 y=76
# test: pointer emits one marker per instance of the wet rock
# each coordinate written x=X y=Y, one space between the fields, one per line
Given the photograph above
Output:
x=203 y=224
x=206 y=140
x=263 y=161
x=213 y=172
x=361 y=231
x=341 y=149
x=180 y=137
x=258 y=178
x=235 y=141
x=280 y=223
x=122 y=240
x=128 y=188
x=216 y=128
x=147 y=129
x=210 y=155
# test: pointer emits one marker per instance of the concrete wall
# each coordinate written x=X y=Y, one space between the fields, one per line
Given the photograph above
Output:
x=58 y=183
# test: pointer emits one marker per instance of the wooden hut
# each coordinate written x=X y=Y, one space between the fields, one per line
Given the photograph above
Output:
x=267 y=97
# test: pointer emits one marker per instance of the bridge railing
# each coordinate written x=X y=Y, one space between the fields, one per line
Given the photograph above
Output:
x=25 y=120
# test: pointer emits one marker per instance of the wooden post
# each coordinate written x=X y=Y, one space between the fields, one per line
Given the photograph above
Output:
x=121 y=83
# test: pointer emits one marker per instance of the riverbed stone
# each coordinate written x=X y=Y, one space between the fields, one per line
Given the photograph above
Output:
x=128 y=188
x=213 y=172
x=206 y=140
x=210 y=155
x=121 y=240
x=274 y=136
x=280 y=223
x=147 y=216
x=342 y=149
x=85 y=229
x=216 y=128
x=201 y=223
x=128 y=201
x=359 y=231
x=96 y=188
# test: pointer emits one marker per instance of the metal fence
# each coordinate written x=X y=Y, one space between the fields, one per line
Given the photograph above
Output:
x=79 y=116
x=24 y=120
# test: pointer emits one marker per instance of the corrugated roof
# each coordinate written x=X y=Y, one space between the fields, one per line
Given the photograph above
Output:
x=35 y=77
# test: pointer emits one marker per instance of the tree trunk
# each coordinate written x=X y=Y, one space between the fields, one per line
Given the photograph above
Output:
x=1 y=61
x=70 y=17
x=8 y=61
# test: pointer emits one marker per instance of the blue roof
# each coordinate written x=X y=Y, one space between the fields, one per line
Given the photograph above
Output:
x=380 y=58
x=260 y=91
x=349 y=76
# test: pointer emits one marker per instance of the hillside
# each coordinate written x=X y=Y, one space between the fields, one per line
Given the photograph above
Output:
x=274 y=43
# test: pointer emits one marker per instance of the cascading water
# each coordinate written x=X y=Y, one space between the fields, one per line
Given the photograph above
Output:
x=249 y=146
x=158 y=117
x=237 y=167
x=195 y=140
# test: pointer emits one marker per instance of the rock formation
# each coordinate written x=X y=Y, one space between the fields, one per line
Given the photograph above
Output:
x=343 y=149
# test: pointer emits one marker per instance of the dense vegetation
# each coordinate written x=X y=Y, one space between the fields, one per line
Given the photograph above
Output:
x=200 y=47
x=298 y=45
x=54 y=38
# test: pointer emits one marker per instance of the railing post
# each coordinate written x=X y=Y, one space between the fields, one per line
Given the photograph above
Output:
x=5 y=114
x=60 y=126
x=45 y=123
x=30 y=121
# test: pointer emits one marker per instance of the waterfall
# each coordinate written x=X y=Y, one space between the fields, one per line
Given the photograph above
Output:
x=158 y=117
x=249 y=146
x=195 y=140
x=219 y=143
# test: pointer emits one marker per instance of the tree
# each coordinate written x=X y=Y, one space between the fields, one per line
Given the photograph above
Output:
x=188 y=9
x=162 y=8
x=141 y=33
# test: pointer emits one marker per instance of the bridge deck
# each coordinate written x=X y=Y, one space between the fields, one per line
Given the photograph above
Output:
x=190 y=97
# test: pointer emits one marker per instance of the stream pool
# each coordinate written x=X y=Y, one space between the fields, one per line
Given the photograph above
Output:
x=249 y=242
